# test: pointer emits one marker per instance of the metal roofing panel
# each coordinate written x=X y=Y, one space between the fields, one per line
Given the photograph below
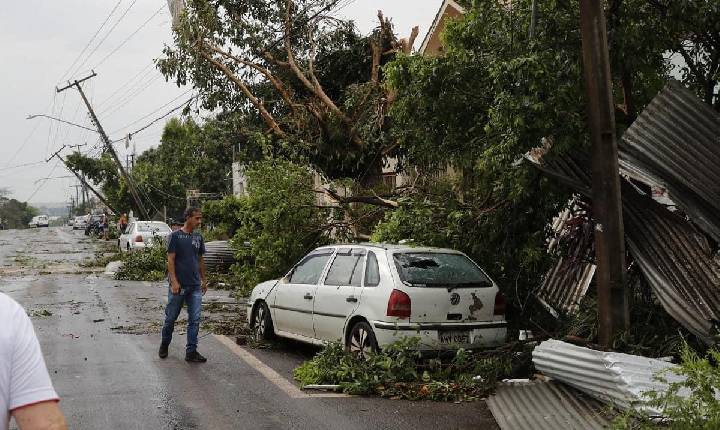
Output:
x=620 y=379
x=676 y=142
x=545 y=405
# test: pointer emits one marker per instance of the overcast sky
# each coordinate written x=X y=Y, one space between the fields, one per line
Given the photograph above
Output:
x=42 y=42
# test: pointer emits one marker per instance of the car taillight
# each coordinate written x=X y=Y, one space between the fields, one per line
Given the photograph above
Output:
x=499 y=304
x=398 y=305
x=138 y=238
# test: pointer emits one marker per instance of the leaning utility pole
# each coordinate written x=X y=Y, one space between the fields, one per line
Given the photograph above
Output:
x=108 y=143
x=613 y=313
x=81 y=179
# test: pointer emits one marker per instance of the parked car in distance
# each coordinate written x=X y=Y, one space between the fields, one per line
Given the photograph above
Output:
x=140 y=234
x=80 y=222
x=70 y=221
x=370 y=295
x=93 y=224
x=39 y=221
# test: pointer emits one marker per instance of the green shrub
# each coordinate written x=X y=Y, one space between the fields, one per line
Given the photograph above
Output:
x=398 y=371
x=146 y=264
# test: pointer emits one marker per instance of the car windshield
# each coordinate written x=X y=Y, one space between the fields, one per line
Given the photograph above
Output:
x=432 y=269
x=153 y=227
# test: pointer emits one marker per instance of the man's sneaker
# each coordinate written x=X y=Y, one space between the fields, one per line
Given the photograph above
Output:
x=163 y=353
x=195 y=357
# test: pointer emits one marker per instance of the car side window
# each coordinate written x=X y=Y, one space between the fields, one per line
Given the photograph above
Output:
x=308 y=271
x=346 y=269
x=372 y=271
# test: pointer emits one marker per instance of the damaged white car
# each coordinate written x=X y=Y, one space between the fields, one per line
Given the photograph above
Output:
x=370 y=295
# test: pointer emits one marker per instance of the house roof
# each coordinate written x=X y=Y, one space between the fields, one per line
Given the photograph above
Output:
x=431 y=42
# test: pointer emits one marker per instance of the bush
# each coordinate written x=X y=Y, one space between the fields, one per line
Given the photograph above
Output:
x=147 y=264
x=398 y=371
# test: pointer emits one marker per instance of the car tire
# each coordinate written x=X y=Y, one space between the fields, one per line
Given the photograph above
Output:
x=361 y=340
x=128 y=247
x=262 y=328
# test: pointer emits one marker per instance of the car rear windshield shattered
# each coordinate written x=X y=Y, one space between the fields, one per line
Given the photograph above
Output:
x=439 y=270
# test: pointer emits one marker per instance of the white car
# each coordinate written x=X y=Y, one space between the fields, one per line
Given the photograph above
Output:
x=39 y=221
x=140 y=234
x=368 y=296
x=80 y=222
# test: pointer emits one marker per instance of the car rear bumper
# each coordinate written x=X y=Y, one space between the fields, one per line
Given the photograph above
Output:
x=481 y=334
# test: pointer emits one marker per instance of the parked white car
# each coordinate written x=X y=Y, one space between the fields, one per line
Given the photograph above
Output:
x=140 y=234
x=368 y=296
x=39 y=221
x=80 y=222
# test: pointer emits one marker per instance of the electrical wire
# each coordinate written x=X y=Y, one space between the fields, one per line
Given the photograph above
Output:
x=127 y=98
x=44 y=182
x=106 y=36
x=91 y=39
x=155 y=111
x=121 y=87
x=129 y=37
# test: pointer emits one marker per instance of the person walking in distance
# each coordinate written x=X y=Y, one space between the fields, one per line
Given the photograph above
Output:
x=26 y=392
x=186 y=275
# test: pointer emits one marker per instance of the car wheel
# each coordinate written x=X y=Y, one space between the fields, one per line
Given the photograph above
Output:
x=128 y=247
x=361 y=342
x=262 y=323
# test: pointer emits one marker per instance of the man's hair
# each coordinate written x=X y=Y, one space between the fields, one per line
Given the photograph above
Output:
x=189 y=212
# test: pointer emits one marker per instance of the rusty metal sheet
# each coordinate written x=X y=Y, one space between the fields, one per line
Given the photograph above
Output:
x=545 y=406
x=675 y=142
x=567 y=282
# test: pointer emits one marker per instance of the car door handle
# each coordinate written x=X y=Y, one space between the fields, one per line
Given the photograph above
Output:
x=351 y=299
x=307 y=297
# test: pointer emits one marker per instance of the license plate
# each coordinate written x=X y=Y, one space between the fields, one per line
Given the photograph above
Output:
x=454 y=337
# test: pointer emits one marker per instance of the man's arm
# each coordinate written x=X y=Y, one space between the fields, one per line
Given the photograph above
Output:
x=40 y=416
x=174 y=284
x=203 y=282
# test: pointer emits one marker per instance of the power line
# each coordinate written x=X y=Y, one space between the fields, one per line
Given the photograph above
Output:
x=121 y=87
x=44 y=182
x=129 y=37
x=106 y=36
x=132 y=94
x=155 y=111
x=91 y=39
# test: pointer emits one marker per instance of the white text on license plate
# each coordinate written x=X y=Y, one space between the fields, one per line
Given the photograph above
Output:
x=454 y=337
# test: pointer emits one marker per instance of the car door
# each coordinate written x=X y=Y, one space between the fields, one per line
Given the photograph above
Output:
x=293 y=306
x=338 y=295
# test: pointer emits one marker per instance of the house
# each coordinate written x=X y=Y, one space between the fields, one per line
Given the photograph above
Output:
x=432 y=44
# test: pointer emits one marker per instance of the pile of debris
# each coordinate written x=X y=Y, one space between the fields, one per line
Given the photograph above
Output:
x=673 y=146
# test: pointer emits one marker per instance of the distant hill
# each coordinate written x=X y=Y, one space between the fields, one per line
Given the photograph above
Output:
x=51 y=209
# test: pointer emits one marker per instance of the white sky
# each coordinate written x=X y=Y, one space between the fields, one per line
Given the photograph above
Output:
x=40 y=39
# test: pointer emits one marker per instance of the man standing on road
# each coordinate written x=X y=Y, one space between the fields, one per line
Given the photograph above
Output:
x=186 y=274
x=26 y=392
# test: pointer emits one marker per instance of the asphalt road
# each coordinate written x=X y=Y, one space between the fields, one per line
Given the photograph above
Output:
x=100 y=339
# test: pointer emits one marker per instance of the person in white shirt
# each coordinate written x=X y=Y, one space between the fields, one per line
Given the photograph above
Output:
x=26 y=392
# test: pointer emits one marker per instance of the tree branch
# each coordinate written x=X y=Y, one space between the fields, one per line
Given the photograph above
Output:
x=266 y=116
x=371 y=200
x=264 y=71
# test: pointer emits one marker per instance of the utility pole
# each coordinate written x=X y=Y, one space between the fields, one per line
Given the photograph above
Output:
x=84 y=191
x=108 y=143
x=613 y=313
x=81 y=179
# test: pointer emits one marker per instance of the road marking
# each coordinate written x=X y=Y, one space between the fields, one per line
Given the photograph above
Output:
x=270 y=374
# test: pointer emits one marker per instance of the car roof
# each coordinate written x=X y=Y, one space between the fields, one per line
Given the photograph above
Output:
x=392 y=247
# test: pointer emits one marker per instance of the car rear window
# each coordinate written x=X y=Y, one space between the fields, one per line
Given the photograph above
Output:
x=431 y=269
x=154 y=227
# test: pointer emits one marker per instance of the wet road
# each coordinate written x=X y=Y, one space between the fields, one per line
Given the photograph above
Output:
x=100 y=338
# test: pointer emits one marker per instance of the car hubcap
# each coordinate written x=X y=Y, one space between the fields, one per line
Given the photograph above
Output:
x=359 y=344
x=260 y=323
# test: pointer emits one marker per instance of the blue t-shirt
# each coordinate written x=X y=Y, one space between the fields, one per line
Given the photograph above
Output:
x=187 y=249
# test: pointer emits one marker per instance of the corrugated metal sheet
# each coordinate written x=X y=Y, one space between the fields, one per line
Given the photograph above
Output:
x=619 y=379
x=676 y=142
x=677 y=263
x=218 y=256
x=545 y=406
x=566 y=283
x=675 y=259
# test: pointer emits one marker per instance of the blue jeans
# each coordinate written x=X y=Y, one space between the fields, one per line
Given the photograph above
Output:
x=192 y=297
